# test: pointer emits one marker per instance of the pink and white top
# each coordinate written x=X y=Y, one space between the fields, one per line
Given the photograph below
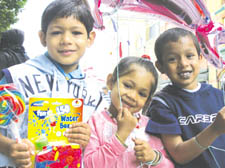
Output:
x=105 y=150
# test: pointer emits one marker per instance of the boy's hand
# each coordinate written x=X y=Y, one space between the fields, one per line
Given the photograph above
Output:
x=21 y=152
x=79 y=133
x=126 y=123
x=143 y=151
x=219 y=123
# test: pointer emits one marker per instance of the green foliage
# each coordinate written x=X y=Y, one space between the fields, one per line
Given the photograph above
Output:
x=9 y=9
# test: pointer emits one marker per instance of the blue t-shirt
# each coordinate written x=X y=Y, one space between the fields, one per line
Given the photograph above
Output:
x=186 y=114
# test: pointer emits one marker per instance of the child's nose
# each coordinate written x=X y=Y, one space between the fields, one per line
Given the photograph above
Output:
x=183 y=62
x=66 y=38
x=132 y=95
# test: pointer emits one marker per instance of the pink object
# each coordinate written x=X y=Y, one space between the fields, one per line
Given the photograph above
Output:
x=189 y=14
x=105 y=150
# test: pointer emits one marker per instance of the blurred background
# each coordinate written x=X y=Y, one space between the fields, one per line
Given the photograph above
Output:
x=126 y=33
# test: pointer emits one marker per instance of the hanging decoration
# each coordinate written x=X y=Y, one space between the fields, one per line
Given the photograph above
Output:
x=189 y=14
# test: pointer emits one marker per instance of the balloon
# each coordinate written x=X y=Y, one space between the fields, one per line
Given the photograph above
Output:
x=97 y=15
x=189 y=14
x=211 y=36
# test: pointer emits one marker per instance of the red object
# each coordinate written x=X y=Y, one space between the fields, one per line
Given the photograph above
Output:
x=59 y=157
x=120 y=50
x=146 y=57
x=53 y=124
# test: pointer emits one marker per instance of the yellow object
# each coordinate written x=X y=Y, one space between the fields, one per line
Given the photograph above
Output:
x=48 y=120
x=117 y=136
x=52 y=116
x=56 y=155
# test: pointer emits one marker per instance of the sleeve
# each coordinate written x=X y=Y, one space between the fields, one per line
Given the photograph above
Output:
x=101 y=154
x=162 y=120
x=7 y=76
x=3 y=80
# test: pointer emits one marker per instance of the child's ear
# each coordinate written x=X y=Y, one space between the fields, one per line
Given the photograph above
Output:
x=91 y=38
x=159 y=67
x=109 y=81
x=42 y=38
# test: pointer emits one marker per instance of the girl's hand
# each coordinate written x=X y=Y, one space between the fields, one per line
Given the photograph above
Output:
x=143 y=151
x=126 y=122
x=21 y=152
x=79 y=133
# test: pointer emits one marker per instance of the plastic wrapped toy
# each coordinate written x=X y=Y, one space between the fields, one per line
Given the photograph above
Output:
x=48 y=120
x=12 y=105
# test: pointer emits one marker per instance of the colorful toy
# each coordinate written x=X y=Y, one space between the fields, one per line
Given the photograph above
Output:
x=12 y=104
x=68 y=156
x=48 y=119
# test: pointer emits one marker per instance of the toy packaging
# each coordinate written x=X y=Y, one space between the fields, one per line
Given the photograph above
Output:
x=47 y=122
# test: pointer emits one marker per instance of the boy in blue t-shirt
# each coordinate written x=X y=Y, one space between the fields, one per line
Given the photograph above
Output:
x=188 y=115
x=66 y=31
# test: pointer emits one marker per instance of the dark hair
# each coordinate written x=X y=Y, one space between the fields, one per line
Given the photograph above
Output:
x=65 y=8
x=123 y=68
x=173 y=35
x=12 y=38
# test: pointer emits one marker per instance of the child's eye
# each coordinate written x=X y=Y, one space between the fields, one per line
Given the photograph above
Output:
x=171 y=59
x=76 y=32
x=143 y=94
x=190 y=56
x=127 y=85
x=56 y=32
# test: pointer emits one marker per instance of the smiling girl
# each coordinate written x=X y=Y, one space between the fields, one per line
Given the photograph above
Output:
x=118 y=138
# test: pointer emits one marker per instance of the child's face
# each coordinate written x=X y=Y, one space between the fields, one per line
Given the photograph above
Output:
x=66 y=40
x=181 y=63
x=134 y=89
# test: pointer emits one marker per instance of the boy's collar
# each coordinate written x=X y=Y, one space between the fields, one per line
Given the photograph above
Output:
x=194 y=90
x=76 y=74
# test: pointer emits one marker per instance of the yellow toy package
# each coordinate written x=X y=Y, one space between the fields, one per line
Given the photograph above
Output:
x=48 y=120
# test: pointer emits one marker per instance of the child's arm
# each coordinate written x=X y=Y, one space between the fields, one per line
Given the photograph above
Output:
x=20 y=153
x=185 y=151
x=80 y=133
x=126 y=122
